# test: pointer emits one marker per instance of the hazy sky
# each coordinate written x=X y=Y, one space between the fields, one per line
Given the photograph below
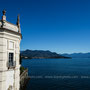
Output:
x=62 y=26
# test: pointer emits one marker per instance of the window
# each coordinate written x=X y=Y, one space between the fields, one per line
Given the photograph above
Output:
x=11 y=55
x=11 y=45
x=11 y=63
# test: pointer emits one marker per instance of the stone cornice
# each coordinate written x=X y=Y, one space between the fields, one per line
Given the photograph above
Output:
x=10 y=31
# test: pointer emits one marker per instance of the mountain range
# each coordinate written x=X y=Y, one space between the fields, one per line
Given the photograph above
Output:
x=48 y=54
x=78 y=55
x=40 y=54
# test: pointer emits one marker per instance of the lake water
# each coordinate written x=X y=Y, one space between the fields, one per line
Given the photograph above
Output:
x=58 y=74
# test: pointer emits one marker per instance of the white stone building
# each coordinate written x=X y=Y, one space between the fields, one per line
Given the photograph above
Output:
x=10 y=37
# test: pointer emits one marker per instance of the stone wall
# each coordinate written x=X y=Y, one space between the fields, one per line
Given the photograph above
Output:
x=24 y=79
x=9 y=77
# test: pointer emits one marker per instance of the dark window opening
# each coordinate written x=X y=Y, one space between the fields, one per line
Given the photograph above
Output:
x=11 y=59
x=11 y=62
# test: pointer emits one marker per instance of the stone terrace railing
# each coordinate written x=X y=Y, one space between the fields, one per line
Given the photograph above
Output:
x=24 y=79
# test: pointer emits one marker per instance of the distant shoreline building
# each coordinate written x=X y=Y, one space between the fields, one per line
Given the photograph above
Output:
x=10 y=37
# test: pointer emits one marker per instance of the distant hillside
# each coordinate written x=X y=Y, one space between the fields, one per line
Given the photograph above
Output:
x=40 y=54
x=78 y=55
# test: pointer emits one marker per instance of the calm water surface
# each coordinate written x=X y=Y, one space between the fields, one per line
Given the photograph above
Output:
x=58 y=74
